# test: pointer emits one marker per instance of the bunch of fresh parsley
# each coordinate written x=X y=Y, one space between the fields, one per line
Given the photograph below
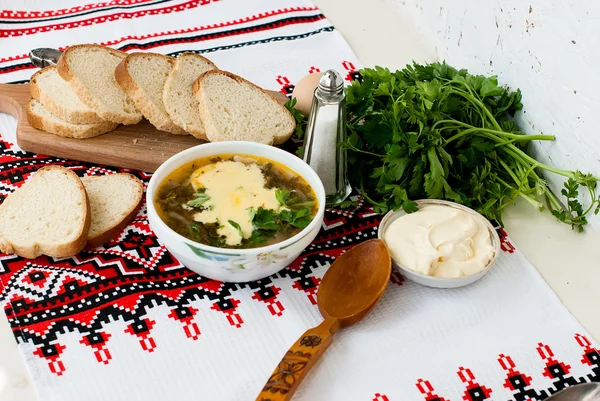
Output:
x=432 y=131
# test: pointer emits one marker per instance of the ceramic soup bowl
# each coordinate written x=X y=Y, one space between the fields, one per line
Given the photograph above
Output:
x=234 y=265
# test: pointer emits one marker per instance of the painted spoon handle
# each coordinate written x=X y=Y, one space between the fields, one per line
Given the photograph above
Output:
x=298 y=360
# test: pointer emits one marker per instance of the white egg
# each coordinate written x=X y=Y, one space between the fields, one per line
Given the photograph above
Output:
x=304 y=91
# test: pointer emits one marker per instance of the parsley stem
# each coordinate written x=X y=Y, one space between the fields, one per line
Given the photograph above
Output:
x=528 y=172
x=516 y=156
x=354 y=148
x=496 y=134
x=526 y=157
x=461 y=134
x=517 y=137
x=473 y=99
x=356 y=120
x=529 y=199
x=371 y=201
x=510 y=172
x=506 y=142
x=553 y=201
x=455 y=81
x=538 y=205
x=593 y=196
x=455 y=122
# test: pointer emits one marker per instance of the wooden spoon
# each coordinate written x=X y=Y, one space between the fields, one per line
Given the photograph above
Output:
x=349 y=291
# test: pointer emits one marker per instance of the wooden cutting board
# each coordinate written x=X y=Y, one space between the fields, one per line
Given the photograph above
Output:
x=139 y=146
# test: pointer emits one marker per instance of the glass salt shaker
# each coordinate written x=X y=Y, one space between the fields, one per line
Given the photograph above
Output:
x=325 y=130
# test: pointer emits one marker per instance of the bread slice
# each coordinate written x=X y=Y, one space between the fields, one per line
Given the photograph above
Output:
x=90 y=70
x=39 y=117
x=142 y=77
x=48 y=215
x=178 y=98
x=47 y=87
x=114 y=203
x=233 y=109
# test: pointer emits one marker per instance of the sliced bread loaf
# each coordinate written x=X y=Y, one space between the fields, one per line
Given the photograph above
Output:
x=233 y=109
x=178 y=98
x=142 y=77
x=48 y=215
x=40 y=118
x=114 y=202
x=47 y=87
x=90 y=70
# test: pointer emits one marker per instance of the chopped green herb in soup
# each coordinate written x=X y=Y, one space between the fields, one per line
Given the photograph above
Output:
x=235 y=201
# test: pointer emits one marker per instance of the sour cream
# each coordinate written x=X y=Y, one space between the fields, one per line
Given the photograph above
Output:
x=440 y=241
x=233 y=188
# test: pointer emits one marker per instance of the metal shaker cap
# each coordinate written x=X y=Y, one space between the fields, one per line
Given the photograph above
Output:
x=43 y=57
x=331 y=82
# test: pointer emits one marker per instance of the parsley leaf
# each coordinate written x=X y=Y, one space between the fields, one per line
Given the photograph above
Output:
x=265 y=219
x=282 y=196
x=434 y=179
x=291 y=200
x=257 y=238
x=237 y=227
x=298 y=117
x=410 y=206
x=489 y=87
x=297 y=218
x=199 y=199
x=251 y=213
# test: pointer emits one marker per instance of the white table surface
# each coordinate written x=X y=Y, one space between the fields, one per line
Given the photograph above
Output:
x=568 y=261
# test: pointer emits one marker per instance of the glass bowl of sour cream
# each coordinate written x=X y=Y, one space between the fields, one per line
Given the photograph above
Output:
x=442 y=245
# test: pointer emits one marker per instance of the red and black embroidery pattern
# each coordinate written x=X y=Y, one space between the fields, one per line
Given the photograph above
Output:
x=202 y=34
x=33 y=16
x=253 y=18
x=518 y=382
x=134 y=273
x=90 y=17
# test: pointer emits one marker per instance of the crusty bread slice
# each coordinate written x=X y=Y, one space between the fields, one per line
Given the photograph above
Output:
x=48 y=215
x=47 y=87
x=233 y=109
x=90 y=70
x=40 y=118
x=114 y=202
x=142 y=77
x=178 y=98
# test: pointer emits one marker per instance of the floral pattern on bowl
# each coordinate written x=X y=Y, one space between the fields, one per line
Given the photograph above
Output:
x=237 y=261
x=258 y=259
